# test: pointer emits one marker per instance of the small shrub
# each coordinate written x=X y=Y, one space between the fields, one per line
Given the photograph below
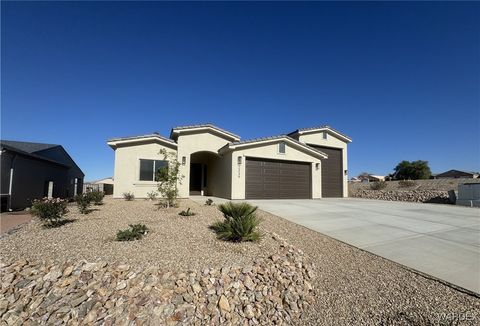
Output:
x=240 y=223
x=406 y=183
x=128 y=196
x=378 y=185
x=50 y=210
x=136 y=232
x=186 y=213
x=95 y=196
x=209 y=202
x=152 y=195
x=83 y=203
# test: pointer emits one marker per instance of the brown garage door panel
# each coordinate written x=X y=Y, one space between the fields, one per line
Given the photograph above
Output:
x=332 y=172
x=271 y=179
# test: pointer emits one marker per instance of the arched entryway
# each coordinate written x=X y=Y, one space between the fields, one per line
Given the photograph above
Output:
x=204 y=179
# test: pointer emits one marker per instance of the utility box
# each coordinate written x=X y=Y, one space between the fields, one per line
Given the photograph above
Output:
x=469 y=194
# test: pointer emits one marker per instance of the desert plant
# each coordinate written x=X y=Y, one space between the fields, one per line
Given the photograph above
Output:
x=378 y=185
x=128 y=196
x=83 y=203
x=188 y=212
x=152 y=195
x=169 y=177
x=136 y=232
x=50 y=210
x=209 y=202
x=240 y=222
x=95 y=197
x=406 y=183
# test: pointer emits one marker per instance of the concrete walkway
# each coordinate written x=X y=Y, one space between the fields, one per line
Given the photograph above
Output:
x=439 y=240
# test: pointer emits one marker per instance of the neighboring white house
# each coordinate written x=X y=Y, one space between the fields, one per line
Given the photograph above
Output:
x=369 y=178
x=307 y=163
x=105 y=185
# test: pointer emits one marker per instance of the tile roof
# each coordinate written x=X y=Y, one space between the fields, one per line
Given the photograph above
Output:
x=156 y=135
x=204 y=125
x=256 y=140
x=319 y=127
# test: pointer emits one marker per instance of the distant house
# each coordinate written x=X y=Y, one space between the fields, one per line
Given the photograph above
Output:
x=454 y=174
x=370 y=178
x=105 y=185
x=34 y=170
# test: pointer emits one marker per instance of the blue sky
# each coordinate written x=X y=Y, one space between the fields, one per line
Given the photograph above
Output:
x=402 y=79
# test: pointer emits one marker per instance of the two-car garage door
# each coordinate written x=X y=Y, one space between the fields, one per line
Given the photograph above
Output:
x=275 y=179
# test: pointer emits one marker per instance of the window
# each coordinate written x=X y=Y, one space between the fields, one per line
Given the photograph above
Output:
x=148 y=169
x=324 y=135
x=281 y=147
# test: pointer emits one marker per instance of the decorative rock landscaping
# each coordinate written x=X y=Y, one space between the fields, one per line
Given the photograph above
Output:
x=272 y=291
x=420 y=196
x=166 y=275
x=422 y=191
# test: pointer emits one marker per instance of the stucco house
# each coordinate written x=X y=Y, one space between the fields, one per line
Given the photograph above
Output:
x=34 y=170
x=306 y=163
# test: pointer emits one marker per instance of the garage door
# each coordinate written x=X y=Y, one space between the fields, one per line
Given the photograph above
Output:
x=332 y=172
x=272 y=179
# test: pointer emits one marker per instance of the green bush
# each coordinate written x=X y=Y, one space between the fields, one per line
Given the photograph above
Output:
x=50 y=210
x=414 y=170
x=95 y=196
x=128 y=196
x=406 y=183
x=240 y=223
x=83 y=203
x=136 y=232
x=209 y=202
x=378 y=185
x=186 y=213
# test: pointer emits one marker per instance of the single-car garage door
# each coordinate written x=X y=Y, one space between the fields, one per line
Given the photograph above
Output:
x=332 y=172
x=274 y=179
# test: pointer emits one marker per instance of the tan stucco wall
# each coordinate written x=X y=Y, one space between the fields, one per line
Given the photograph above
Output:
x=189 y=143
x=127 y=168
x=331 y=141
x=292 y=153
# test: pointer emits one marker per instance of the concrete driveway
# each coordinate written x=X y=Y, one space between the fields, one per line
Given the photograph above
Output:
x=439 y=240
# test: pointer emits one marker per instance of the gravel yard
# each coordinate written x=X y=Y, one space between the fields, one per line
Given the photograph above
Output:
x=173 y=241
x=352 y=287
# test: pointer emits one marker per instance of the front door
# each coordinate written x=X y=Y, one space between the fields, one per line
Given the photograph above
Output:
x=195 y=178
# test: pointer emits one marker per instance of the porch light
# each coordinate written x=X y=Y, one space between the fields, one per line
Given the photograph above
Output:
x=184 y=160
x=346 y=172
x=317 y=166
x=239 y=160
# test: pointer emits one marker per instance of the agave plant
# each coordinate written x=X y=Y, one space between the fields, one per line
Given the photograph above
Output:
x=240 y=222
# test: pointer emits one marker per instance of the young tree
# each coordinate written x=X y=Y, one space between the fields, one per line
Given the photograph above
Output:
x=414 y=170
x=169 y=177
